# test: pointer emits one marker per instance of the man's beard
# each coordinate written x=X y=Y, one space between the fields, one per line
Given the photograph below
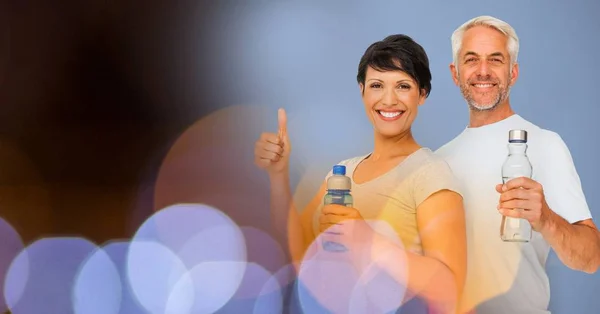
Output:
x=501 y=94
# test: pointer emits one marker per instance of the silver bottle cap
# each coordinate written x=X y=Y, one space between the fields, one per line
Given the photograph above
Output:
x=517 y=136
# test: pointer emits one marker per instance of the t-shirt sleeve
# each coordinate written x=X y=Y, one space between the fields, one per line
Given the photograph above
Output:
x=560 y=181
x=433 y=177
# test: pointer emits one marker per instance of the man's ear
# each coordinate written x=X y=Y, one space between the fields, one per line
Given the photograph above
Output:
x=514 y=74
x=454 y=73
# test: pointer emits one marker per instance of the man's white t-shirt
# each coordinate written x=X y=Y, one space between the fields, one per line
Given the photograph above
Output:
x=505 y=277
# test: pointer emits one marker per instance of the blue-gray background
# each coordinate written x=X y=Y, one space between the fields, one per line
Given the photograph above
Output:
x=303 y=56
x=95 y=93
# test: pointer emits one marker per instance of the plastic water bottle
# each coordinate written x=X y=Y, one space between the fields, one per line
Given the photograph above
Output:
x=338 y=192
x=516 y=165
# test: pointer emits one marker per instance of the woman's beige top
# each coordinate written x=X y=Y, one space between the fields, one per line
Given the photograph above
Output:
x=394 y=196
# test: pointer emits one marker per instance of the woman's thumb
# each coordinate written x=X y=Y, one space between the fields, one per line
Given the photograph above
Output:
x=283 y=135
x=282 y=119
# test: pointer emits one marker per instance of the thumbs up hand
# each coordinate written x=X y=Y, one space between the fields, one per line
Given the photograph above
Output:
x=272 y=151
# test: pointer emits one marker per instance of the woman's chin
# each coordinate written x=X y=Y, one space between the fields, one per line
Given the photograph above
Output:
x=390 y=133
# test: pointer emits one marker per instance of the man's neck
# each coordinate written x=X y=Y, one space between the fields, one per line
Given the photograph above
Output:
x=478 y=118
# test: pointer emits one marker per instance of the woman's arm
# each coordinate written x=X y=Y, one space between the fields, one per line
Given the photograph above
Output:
x=439 y=275
x=294 y=226
x=271 y=153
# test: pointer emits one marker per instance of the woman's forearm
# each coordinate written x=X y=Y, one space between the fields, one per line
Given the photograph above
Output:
x=421 y=275
x=284 y=216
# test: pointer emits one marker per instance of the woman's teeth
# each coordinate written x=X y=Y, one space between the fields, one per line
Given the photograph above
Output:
x=390 y=114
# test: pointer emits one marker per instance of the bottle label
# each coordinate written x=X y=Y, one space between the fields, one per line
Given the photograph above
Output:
x=338 y=199
x=506 y=179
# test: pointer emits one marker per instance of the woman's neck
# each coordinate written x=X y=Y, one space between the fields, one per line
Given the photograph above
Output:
x=391 y=147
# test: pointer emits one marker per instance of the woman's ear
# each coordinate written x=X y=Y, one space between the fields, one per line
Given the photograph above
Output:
x=422 y=96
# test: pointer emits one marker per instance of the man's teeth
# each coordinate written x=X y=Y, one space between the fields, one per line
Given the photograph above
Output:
x=390 y=114
x=484 y=85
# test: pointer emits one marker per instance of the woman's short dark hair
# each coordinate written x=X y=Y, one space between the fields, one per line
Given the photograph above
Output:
x=397 y=52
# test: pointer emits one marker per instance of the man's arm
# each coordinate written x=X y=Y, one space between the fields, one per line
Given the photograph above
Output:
x=576 y=245
x=556 y=208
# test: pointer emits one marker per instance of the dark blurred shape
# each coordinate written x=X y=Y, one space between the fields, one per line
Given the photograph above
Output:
x=91 y=95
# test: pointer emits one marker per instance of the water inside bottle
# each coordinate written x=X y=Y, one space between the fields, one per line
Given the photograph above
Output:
x=339 y=199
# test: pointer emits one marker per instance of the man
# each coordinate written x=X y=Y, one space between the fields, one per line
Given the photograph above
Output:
x=510 y=277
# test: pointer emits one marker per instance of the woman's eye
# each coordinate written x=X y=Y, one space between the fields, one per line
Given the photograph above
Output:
x=376 y=85
x=404 y=86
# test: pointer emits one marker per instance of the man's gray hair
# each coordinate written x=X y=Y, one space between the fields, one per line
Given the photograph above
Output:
x=492 y=22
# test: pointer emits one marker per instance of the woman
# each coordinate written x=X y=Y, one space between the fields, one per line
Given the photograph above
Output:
x=399 y=182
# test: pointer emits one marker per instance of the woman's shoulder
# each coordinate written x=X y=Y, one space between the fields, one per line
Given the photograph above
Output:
x=431 y=168
x=434 y=174
x=352 y=161
x=425 y=158
x=349 y=163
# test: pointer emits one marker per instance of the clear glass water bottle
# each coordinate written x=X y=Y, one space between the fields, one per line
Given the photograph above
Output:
x=516 y=165
x=338 y=192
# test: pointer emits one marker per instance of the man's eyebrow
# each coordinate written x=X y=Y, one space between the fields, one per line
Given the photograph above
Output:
x=495 y=54
x=471 y=53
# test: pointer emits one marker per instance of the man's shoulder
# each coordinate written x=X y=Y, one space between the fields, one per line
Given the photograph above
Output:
x=527 y=124
x=541 y=134
x=449 y=147
x=549 y=137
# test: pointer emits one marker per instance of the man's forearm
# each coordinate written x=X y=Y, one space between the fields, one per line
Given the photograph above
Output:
x=576 y=245
x=421 y=275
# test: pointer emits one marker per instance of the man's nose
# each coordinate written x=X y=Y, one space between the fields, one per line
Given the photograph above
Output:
x=483 y=69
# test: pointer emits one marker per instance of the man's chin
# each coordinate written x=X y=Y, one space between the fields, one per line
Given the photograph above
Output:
x=482 y=106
